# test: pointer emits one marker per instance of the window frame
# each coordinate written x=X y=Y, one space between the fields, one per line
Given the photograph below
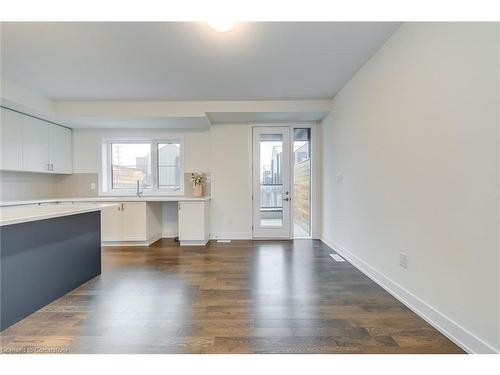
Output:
x=107 y=166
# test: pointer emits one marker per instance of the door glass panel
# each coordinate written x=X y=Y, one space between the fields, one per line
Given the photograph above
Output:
x=271 y=180
x=302 y=182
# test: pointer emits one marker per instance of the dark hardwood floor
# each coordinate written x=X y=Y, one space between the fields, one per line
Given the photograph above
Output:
x=242 y=297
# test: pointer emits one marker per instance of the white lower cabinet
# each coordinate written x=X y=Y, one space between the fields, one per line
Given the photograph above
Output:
x=134 y=221
x=194 y=223
x=111 y=223
x=140 y=223
x=131 y=223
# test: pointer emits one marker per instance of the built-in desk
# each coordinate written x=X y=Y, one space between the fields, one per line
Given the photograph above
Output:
x=137 y=221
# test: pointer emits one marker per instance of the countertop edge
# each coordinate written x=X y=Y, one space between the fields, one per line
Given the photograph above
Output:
x=106 y=199
x=53 y=215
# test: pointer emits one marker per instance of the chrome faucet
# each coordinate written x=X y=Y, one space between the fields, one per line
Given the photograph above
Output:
x=138 y=192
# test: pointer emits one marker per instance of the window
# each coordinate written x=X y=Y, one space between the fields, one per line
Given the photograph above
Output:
x=302 y=182
x=131 y=162
x=169 y=166
x=301 y=145
x=155 y=164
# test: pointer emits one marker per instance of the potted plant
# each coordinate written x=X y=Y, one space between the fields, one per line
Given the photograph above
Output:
x=197 y=180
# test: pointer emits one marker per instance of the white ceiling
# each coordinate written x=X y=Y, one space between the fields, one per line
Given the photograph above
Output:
x=187 y=61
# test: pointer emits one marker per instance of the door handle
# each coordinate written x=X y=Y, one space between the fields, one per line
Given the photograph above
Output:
x=286 y=199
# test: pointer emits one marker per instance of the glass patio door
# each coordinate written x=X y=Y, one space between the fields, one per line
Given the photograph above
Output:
x=271 y=182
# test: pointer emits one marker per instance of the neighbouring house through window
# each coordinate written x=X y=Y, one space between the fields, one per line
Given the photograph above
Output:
x=156 y=165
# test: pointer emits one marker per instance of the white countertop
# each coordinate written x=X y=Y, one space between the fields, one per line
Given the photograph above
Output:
x=150 y=198
x=25 y=213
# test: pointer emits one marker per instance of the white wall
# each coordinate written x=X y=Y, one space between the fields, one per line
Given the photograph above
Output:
x=221 y=150
x=231 y=181
x=415 y=135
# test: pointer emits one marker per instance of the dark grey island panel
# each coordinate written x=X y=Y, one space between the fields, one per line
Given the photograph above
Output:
x=43 y=260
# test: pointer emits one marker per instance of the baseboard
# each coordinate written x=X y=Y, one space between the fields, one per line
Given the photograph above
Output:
x=193 y=242
x=456 y=333
x=231 y=236
x=125 y=243
x=219 y=236
x=132 y=243
x=153 y=239
x=168 y=235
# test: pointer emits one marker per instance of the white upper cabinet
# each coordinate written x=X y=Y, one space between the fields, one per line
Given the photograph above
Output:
x=60 y=155
x=11 y=140
x=35 y=145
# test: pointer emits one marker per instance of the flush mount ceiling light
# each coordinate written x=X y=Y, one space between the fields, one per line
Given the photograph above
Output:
x=221 y=26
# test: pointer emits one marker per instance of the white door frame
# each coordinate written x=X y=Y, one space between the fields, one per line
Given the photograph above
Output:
x=314 y=209
x=271 y=231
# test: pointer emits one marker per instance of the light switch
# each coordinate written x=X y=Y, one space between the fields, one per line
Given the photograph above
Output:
x=92 y=186
x=340 y=177
x=403 y=260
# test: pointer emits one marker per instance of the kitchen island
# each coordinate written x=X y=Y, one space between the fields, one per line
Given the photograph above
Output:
x=46 y=251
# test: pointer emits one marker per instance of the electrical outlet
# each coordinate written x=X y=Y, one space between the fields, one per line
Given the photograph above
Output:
x=403 y=260
x=340 y=178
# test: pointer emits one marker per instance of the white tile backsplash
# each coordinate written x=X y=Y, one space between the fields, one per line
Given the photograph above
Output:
x=77 y=185
x=26 y=185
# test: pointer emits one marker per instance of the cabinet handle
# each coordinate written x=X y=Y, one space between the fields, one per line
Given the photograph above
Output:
x=122 y=207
